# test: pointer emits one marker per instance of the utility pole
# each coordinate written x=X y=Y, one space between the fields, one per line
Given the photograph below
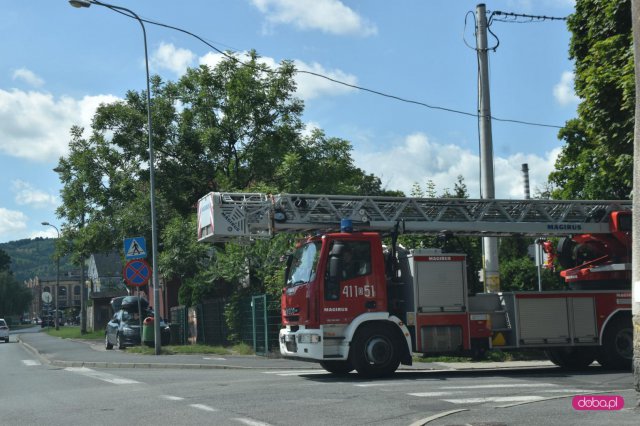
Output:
x=489 y=244
x=635 y=233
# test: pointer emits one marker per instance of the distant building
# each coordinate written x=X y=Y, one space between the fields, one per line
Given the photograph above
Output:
x=69 y=289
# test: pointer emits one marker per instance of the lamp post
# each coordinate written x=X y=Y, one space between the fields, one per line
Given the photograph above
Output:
x=154 y=238
x=57 y=276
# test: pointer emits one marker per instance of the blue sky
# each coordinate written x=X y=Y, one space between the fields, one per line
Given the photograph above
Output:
x=59 y=63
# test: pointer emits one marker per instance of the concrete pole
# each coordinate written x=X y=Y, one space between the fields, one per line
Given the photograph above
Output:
x=635 y=236
x=489 y=244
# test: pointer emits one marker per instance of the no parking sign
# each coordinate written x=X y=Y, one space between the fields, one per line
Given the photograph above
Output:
x=137 y=272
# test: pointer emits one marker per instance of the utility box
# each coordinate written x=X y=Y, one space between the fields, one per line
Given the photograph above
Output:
x=440 y=282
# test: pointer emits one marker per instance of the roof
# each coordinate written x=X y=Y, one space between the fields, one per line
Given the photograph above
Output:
x=106 y=264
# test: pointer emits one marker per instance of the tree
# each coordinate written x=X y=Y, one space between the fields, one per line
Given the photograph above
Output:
x=5 y=261
x=596 y=161
x=14 y=297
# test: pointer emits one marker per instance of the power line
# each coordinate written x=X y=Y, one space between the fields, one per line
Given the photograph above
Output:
x=353 y=86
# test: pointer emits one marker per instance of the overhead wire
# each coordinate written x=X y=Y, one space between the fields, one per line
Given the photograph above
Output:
x=353 y=86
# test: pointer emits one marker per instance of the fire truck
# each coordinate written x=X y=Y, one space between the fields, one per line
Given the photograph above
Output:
x=351 y=302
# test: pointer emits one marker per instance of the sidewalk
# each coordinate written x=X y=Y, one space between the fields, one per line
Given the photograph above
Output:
x=90 y=353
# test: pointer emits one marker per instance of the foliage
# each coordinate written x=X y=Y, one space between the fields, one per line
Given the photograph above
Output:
x=5 y=261
x=596 y=160
x=35 y=257
x=14 y=297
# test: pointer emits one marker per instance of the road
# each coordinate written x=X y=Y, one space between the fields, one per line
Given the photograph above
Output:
x=36 y=392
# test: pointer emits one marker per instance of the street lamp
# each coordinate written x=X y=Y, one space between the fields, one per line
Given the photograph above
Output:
x=152 y=188
x=57 y=276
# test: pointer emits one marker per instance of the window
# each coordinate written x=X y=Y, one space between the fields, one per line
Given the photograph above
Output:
x=76 y=290
x=356 y=259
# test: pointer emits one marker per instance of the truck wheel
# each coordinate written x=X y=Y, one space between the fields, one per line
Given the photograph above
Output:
x=375 y=351
x=337 y=367
x=571 y=358
x=616 y=352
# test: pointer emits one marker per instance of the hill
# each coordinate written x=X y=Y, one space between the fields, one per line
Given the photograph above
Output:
x=31 y=257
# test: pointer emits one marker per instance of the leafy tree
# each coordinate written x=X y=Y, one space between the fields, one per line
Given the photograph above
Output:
x=14 y=297
x=5 y=261
x=596 y=160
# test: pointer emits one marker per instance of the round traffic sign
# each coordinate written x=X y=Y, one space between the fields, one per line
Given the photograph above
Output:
x=46 y=297
x=137 y=272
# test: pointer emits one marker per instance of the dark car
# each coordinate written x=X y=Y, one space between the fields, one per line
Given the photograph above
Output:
x=124 y=329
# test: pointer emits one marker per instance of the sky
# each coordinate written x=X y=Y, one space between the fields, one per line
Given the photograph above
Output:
x=59 y=63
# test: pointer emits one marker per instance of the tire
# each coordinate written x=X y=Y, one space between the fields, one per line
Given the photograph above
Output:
x=108 y=345
x=572 y=358
x=375 y=351
x=119 y=344
x=337 y=367
x=616 y=352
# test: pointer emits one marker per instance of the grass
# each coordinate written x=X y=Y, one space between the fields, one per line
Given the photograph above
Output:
x=240 y=349
x=73 y=332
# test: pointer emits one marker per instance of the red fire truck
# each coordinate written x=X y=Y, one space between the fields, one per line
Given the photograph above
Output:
x=350 y=302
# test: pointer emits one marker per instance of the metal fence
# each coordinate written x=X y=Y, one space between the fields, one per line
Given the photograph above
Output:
x=258 y=323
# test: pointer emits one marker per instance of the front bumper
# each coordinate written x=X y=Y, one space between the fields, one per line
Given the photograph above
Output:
x=312 y=344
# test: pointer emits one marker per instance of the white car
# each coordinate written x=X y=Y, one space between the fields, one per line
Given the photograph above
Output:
x=4 y=331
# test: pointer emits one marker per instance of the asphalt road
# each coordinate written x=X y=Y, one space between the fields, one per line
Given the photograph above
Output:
x=46 y=380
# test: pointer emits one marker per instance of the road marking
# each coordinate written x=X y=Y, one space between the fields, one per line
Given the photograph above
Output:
x=436 y=416
x=31 y=362
x=295 y=372
x=523 y=398
x=251 y=422
x=203 y=407
x=502 y=385
x=424 y=394
x=214 y=359
x=172 y=398
x=105 y=377
x=569 y=391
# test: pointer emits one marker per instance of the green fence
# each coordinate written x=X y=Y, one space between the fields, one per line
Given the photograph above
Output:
x=259 y=323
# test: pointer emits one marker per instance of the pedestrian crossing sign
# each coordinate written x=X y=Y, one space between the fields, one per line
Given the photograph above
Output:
x=135 y=248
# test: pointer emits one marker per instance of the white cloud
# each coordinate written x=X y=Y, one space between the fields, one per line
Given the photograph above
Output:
x=28 y=77
x=174 y=59
x=308 y=86
x=563 y=91
x=330 y=16
x=27 y=194
x=35 y=125
x=11 y=221
x=422 y=160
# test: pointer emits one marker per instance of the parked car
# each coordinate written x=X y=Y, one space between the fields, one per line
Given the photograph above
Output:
x=4 y=331
x=124 y=329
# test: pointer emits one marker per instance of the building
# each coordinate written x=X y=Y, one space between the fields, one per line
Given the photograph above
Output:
x=104 y=274
x=68 y=293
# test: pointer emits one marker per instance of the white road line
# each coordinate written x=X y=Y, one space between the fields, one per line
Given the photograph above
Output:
x=214 y=359
x=295 y=372
x=425 y=394
x=368 y=385
x=251 y=422
x=502 y=385
x=172 y=398
x=426 y=420
x=569 y=391
x=105 y=377
x=203 y=407
x=523 y=398
x=30 y=362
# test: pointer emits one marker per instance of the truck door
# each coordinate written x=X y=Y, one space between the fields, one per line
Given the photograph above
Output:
x=349 y=283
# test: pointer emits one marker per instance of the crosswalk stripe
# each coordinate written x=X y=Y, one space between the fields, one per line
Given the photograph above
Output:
x=295 y=372
x=105 y=377
x=502 y=385
x=425 y=394
x=30 y=362
x=251 y=422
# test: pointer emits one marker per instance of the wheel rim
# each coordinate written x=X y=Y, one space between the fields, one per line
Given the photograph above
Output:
x=378 y=350
x=624 y=343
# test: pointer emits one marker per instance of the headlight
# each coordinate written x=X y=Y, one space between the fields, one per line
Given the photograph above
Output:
x=309 y=338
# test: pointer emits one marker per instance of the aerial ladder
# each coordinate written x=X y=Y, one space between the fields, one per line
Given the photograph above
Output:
x=231 y=216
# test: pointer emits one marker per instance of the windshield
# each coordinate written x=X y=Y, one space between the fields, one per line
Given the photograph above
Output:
x=304 y=264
